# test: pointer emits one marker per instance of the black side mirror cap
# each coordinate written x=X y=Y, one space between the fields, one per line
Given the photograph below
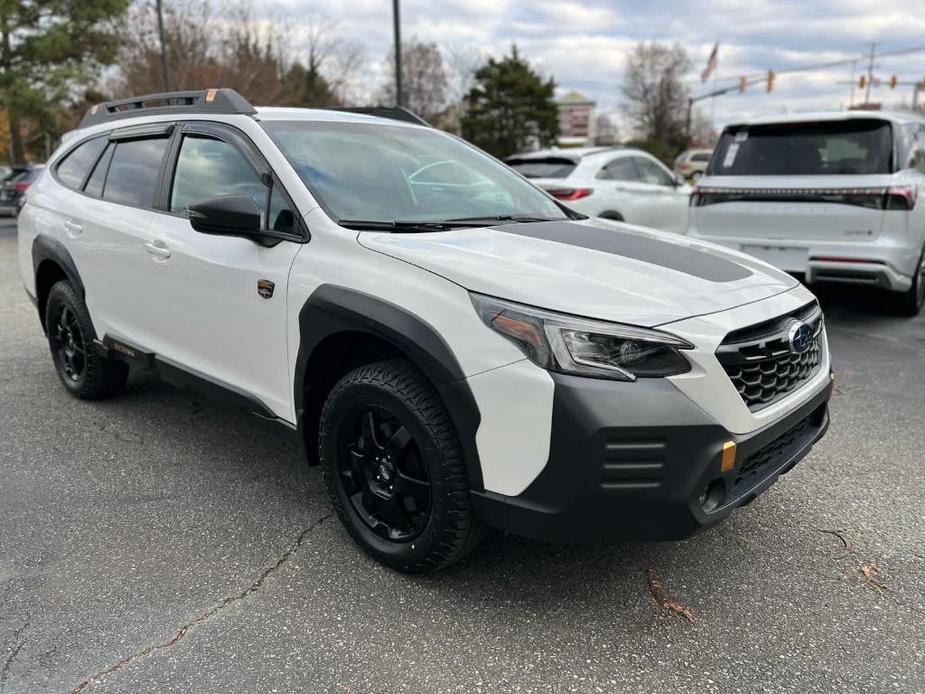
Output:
x=227 y=215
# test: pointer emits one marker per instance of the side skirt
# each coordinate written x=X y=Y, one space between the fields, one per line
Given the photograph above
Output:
x=219 y=392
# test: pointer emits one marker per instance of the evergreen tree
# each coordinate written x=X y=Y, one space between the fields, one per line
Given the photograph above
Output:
x=47 y=49
x=510 y=107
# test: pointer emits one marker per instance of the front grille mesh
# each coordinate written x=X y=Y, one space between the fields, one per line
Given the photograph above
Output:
x=760 y=364
x=762 y=382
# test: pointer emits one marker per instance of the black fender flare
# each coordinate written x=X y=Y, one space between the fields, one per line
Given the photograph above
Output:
x=48 y=248
x=332 y=309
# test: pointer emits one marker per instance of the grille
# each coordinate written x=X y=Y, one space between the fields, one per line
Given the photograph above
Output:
x=774 y=455
x=759 y=362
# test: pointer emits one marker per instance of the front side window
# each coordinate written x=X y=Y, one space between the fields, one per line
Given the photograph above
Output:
x=73 y=169
x=208 y=168
x=622 y=169
x=851 y=146
x=650 y=172
x=387 y=173
x=134 y=171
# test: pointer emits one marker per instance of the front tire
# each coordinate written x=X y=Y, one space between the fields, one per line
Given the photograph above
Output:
x=394 y=469
x=910 y=302
x=85 y=373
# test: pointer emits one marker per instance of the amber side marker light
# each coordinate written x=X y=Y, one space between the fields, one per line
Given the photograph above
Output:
x=729 y=456
x=210 y=95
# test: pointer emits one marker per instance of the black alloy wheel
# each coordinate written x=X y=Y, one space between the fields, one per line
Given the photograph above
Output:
x=68 y=344
x=383 y=475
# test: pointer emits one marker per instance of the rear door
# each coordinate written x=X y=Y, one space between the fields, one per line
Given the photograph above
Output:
x=106 y=224
x=221 y=300
x=797 y=182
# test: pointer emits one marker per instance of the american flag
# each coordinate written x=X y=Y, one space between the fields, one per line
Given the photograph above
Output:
x=711 y=63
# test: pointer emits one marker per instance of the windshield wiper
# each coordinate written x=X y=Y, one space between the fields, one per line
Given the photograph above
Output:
x=406 y=226
x=523 y=218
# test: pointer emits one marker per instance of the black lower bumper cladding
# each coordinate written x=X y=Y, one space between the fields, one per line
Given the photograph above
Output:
x=636 y=481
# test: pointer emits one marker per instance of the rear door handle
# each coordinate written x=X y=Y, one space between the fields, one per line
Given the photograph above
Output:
x=157 y=248
x=72 y=228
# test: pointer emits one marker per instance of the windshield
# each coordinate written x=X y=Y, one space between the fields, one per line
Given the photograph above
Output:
x=855 y=146
x=375 y=172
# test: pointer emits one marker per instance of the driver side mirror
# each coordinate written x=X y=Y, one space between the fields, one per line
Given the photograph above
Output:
x=228 y=215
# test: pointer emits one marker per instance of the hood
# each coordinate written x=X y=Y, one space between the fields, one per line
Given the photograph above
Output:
x=590 y=268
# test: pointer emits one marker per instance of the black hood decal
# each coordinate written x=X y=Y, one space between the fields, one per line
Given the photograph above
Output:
x=691 y=261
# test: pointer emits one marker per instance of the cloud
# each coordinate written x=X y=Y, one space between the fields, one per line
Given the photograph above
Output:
x=583 y=43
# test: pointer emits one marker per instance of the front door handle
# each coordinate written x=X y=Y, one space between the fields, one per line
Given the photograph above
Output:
x=157 y=248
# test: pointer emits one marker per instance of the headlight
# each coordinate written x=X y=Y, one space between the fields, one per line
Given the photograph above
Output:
x=584 y=347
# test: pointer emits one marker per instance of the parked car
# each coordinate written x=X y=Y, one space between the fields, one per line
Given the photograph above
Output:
x=835 y=197
x=620 y=184
x=15 y=187
x=692 y=163
x=454 y=347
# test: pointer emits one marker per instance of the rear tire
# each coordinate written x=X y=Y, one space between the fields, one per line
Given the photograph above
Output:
x=910 y=302
x=85 y=373
x=394 y=469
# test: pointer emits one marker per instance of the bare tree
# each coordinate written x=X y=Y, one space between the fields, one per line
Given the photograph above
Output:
x=606 y=131
x=424 y=80
x=655 y=93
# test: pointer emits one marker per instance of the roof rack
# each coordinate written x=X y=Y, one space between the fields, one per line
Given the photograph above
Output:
x=200 y=101
x=390 y=112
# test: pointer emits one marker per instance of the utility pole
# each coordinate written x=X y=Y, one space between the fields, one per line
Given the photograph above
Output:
x=870 y=71
x=165 y=57
x=396 y=20
x=854 y=80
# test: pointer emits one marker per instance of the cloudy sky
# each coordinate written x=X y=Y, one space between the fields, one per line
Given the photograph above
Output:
x=583 y=44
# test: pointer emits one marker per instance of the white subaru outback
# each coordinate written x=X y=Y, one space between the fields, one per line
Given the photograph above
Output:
x=836 y=197
x=453 y=347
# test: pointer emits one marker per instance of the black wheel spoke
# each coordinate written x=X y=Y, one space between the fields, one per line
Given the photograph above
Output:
x=368 y=432
x=409 y=486
x=398 y=442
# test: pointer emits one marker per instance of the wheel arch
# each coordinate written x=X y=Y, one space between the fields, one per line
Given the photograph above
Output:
x=51 y=262
x=612 y=215
x=341 y=329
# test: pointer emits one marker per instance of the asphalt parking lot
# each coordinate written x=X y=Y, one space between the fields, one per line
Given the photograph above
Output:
x=157 y=543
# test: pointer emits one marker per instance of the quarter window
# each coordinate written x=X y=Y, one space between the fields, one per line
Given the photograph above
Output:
x=208 y=168
x=134 y=171
x=74 y=168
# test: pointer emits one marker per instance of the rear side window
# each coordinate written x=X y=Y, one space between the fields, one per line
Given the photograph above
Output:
x=550 y=167
x=855 y=146
x=134 y=171
x=73 y=169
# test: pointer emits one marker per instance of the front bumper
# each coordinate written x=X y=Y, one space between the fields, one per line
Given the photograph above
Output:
x=638 y=480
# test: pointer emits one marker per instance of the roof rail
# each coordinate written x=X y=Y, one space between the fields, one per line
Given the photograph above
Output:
x=199 y=101
x=390 y=112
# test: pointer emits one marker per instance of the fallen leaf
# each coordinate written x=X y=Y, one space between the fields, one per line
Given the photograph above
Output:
x=663 y=600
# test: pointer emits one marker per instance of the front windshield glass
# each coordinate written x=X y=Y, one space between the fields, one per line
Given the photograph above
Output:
x=384 y=173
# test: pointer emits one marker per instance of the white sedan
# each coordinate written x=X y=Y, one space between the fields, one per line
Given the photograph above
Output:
x=621 y=184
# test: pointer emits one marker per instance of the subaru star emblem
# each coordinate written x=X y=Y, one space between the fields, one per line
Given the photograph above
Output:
x=800 y=337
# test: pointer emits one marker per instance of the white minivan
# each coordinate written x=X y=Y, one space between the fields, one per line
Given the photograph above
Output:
x=834 y=196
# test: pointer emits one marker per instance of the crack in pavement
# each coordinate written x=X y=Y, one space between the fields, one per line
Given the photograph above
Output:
x=215 y=609
x=5 y=670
